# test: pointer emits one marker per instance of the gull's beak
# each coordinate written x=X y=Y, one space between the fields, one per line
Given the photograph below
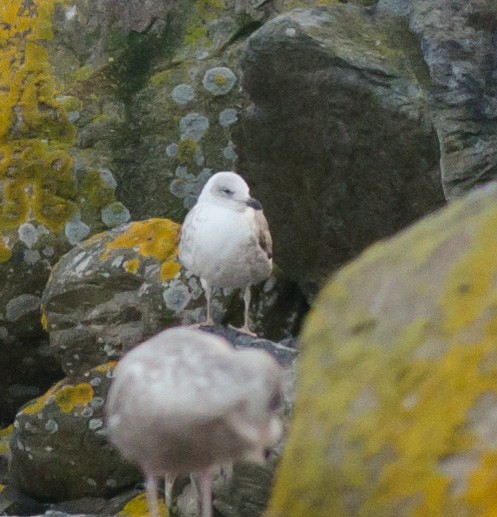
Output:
x=253 y=203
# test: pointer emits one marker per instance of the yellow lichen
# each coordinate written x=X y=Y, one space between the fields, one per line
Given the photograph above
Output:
x=390 y=416
x=5 y=252
x=35 y=135
x=131 y=266
x=137 y=507
x=156 y=238
x=70 y=396
x=5 y=439
x=2 y=488
x=44 y=321
x=169 y=270
x=104 y=368
x=220 y=80
x=39 y=403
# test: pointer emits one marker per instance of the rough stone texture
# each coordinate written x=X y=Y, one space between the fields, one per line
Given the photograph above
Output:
x=106 y=294
x=397 y=399
x=457 y=39
x=337 y=144
x=59 y=450
x=27 y=367
x=151 y=81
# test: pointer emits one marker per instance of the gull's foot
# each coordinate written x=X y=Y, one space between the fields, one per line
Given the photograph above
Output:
x=243 y=330
x=207 y=323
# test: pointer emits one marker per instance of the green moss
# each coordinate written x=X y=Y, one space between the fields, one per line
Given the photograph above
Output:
x=96 y=192
x=194 y=34
x=131 y=70
x=398 y=358
x=186 y=150
x=82 y=74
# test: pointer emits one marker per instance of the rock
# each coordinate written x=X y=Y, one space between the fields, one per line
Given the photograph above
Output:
x=27 y=367
x=106 y=295
x=337 y=144
x=395 y=413
x=457 y=42
x=58 y=447
x=151 y=81
x=284 y=352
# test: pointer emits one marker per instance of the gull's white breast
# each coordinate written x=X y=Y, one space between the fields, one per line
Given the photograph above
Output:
x=222 y=246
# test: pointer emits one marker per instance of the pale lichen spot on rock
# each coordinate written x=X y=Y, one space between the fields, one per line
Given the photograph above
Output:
x=219 y=80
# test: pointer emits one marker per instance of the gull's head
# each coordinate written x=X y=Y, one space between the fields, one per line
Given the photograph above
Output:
x=229 y=189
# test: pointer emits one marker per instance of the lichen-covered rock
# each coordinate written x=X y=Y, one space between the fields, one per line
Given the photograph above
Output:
x=27 y=367
x=106 y=295
x=59 y=450
x=119 y=287
x=397 y=399
x=458 y=46
x=337 y=144
x=152 y=81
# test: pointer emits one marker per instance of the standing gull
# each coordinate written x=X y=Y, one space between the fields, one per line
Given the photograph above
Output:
x=225 y=240
x=185 y=401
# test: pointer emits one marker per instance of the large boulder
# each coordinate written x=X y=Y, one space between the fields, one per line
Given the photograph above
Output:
x=338 y=143
x=458 y=45
x=58 y=447
x=397 y=401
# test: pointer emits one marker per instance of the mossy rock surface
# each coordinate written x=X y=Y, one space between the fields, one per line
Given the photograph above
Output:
x=395 y=413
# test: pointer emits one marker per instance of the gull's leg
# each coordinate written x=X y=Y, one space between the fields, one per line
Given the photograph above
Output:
x=168 y=488
x=206 y=492
x=151 y=488
x=246 y=299
x=208 y=296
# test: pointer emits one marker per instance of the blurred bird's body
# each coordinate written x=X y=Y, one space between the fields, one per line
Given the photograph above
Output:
x=185 y=401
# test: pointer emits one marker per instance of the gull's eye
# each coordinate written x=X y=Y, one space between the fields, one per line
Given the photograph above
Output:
x=227 y=191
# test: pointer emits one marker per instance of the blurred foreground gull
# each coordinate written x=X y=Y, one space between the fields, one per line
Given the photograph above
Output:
x=225 y=239
x=186 y=400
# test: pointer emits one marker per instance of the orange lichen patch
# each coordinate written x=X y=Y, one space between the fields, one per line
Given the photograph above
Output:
x=169 y=270
x=137 y=507
x=156 y=238
x=5 y=251
x=39 y=403
x=35 y=134
x=5 y=439
x=398 y=385
x=44 y=321
x=103 y=368
x=70 y=396
x=131 y=266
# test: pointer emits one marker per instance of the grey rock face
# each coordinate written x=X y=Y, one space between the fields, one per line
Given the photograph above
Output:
x=58 y=447
x=27 y=367
x=337 y=143
x=106 y=294
x=457 y=39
